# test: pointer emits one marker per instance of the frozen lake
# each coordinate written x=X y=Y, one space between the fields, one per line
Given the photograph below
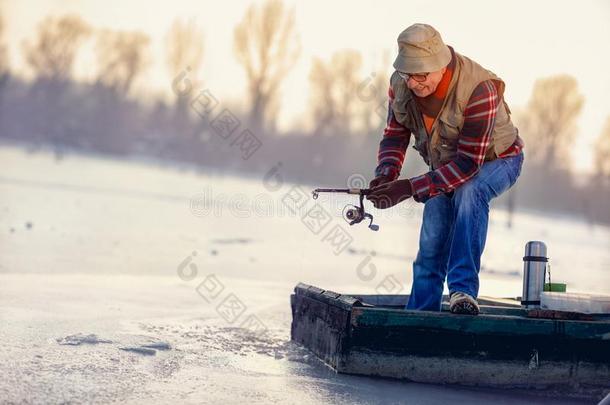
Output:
x=133 y=283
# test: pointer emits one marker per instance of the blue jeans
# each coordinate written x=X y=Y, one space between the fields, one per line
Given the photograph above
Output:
x=453 y=234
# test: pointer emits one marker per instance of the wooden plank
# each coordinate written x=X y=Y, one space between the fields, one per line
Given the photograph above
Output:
x=383 y=300
x=551 y=314
x=464 y=338
x=495 y=310
x=491 y=324
x=329 y=297
x=503 y=302
x=575 y=379
x=320 y=327
x=400 y=300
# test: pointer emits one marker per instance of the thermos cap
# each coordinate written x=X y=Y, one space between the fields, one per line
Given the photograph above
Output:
x=535 y=248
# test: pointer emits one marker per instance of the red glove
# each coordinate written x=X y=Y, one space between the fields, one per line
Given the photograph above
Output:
x=389 y=194
x=379 y=180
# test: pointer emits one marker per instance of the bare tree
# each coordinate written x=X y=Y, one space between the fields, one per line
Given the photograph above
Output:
x=373 y=94
x=602 y=154
x=344 y=101
x=4 y=62
x=51 y=55
x=337 y=99
x=4 y=70
x=322 y=101
x=185 y=49
x=549 y=121
x=184 y=44
x=4 y=65
x=121 y=57
x=266 y=44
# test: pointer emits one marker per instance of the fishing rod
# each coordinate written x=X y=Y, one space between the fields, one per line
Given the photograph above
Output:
x=351 y=213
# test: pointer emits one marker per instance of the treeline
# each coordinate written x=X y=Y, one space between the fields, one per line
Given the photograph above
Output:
x=340 y=130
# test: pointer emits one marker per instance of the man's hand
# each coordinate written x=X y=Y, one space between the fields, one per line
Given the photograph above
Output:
x=389 y=194
x=379 y=180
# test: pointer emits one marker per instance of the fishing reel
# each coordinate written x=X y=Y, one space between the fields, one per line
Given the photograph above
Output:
x=351 y=213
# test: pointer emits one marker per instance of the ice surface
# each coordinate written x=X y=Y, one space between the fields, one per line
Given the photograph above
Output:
x=117 y=259
x=79 y=339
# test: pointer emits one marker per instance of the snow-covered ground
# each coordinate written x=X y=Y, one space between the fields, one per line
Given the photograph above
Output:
x=127 y=282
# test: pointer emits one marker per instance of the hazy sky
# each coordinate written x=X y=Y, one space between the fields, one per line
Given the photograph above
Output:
x=518 y=40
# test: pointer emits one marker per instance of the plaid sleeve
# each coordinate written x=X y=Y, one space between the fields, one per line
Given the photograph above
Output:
x=475 y=136
x=393 y=146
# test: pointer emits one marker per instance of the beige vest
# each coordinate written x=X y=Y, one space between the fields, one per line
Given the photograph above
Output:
x=441 y=146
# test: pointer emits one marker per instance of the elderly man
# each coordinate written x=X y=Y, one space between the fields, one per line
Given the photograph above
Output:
x=461 y=126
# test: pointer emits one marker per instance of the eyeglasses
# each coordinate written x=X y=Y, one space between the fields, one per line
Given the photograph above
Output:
x=419 y=77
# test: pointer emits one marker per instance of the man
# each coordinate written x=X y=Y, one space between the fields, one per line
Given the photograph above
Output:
x=461 y=126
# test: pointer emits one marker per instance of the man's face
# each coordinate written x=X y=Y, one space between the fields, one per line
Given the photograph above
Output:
x=428 y=86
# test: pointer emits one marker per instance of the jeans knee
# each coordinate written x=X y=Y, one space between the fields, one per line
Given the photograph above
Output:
x=470 y=195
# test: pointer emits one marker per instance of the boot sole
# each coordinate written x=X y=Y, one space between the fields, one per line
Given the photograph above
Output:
x=464 y=308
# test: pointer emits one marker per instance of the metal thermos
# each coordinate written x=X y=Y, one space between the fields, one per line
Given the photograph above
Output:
x=534 y=273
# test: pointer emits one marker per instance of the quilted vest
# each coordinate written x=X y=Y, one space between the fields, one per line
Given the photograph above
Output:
x=440 y=147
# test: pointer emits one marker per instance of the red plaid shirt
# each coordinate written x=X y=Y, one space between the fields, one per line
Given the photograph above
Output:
x=475 y=136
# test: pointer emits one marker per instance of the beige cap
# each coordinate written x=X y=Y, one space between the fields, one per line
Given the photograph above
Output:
x=421 y=49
